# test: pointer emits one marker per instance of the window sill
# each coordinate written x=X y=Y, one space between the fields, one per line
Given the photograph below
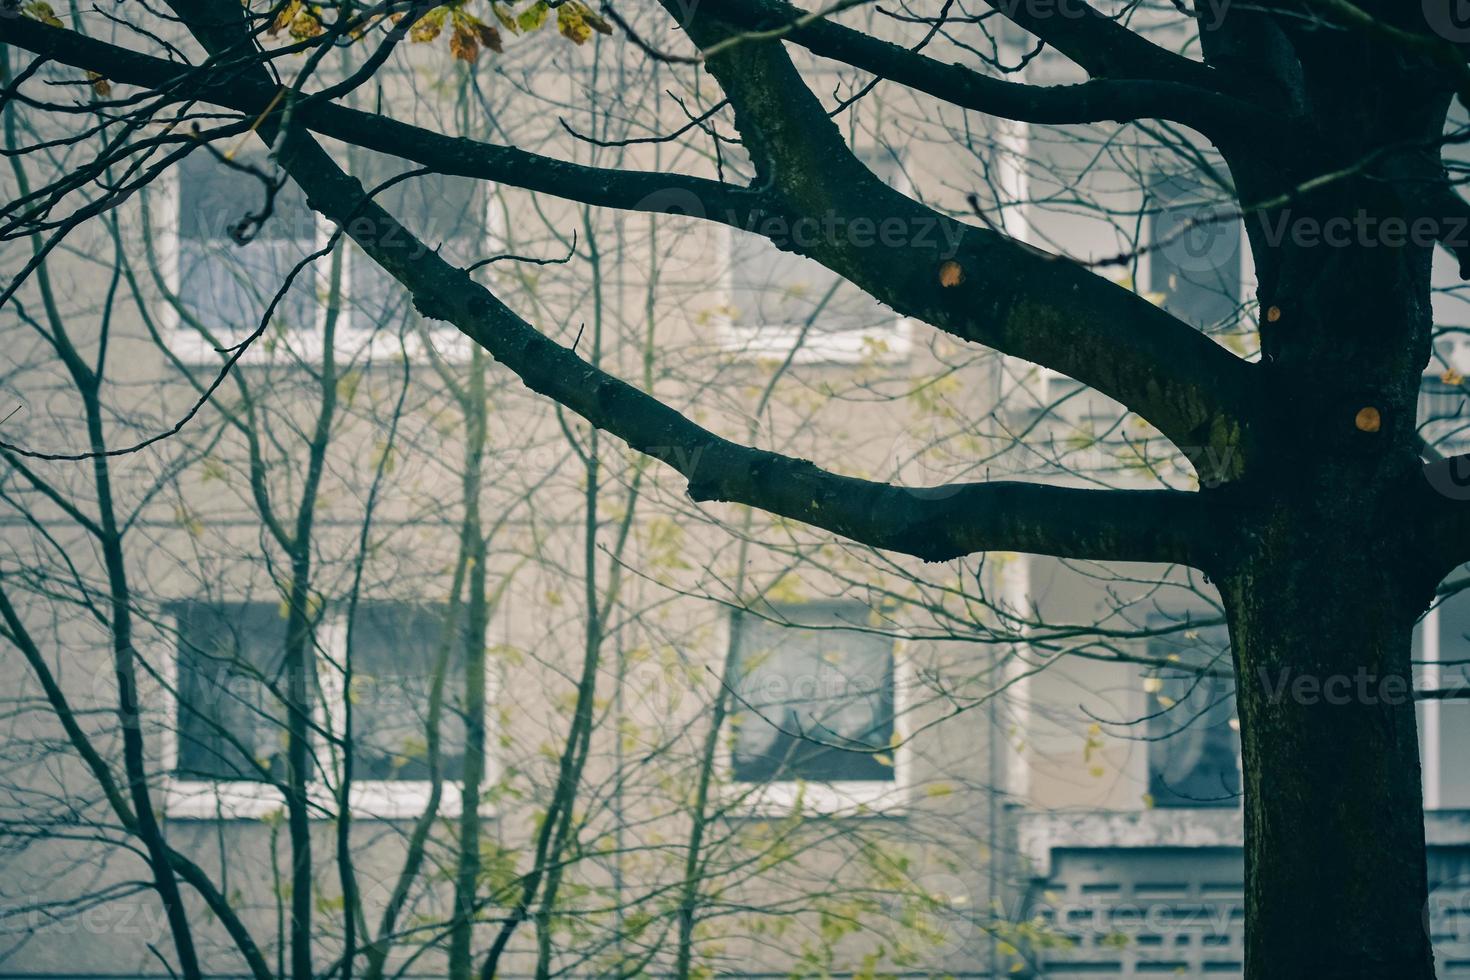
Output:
x=887 y=345
x=1039 y=834
x=305 y=346
x=370 y=799
x=856 y=798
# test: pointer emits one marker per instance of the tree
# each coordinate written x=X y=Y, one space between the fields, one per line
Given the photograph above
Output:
x=331 y=470
x=1318 y=517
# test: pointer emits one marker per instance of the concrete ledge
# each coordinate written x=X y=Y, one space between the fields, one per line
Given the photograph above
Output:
x=1039 y=834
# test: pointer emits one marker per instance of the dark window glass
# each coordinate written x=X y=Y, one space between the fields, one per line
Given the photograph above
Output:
x=1444 y=414
x=1454 y=715
x=779 y=289
x=1194 y=259
x=395 y=650
x=1193 y=749
x=445 y=213
x=231 y=723
x=225 y=286
x=811 y=693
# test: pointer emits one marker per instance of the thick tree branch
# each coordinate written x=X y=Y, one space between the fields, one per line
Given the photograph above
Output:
x=1218 y=116
x=1103 y=47
x=933 y=524
x=978 y=284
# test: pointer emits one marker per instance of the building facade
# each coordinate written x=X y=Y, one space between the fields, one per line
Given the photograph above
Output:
x=422 y=661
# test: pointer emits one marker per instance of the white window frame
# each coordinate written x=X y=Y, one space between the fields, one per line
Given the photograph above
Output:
x=163 y=202
x=1431 y=735
x=1456 y=354
x=386 y=799
x=886 y=344
x=1436 y=756
x=848 y=798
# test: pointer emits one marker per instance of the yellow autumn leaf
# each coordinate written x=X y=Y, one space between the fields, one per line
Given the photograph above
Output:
x=100 y=85
x=594 y=20
x=571 y=24
x=427 y=27
x=884 y=760
x=533 y=16
x=41 y=10
x=306 y=25
x=1452 y=377
x=284 y=18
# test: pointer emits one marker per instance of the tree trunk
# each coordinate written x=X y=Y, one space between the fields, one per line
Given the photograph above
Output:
x=1322 y=593
x=1335 y=863
x=1323 y=585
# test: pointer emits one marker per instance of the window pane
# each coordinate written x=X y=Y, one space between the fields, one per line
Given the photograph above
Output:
x=771 y=288
x=808 y=692
x=1193 y=752
x=1194 y=261
x=1454 y=715
x=226 y=286
x=444 y=212
x=395 y=647
x=776 y=289
x=231 y=724
x=1444 y=414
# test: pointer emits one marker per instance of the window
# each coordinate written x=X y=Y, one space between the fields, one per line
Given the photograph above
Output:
x=779 y=299
x=231 y=718
x=395 y=650
x=225 y=288
x=1094 y=198
x=1442 y=651
x=1193 y=741
x=227 y=711
x=1194 y=260
x=1444 y=410
x=816 y=703
x=446 y=213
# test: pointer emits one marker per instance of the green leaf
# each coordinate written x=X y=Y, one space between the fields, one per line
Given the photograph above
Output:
x=533 y=16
